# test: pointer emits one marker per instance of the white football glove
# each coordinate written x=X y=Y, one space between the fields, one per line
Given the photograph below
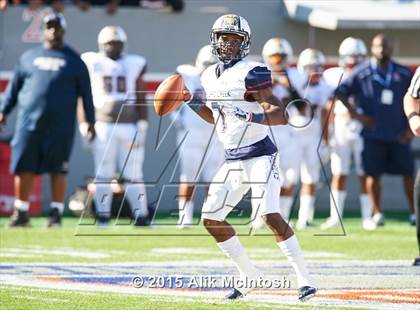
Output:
x=244 y=115
x=241 y=114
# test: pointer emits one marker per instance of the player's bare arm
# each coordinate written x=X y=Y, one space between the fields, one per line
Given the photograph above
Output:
x=325 y=123
x=328 y=116
x=141 y=96
x=2 y=120
x=274 y=109
x=141 y=105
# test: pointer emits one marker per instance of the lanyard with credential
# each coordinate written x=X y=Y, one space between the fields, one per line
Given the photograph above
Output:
x=377 y=77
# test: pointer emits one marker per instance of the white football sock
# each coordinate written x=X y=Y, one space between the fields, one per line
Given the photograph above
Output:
x=257 y=221
x=365 y=206
x=291 y=249
x=57 y=205
x=186 y=212
x=338 y=206
x=306 y=209
x=136 y=195
x=286 y=206
x=21 y=205
x=103 y=199
x=333 y=204
x=235 y=251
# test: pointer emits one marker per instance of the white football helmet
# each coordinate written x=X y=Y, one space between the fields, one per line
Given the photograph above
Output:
x=111 y=33
x=352 y=51
x=311 y=60
x=235 y=24
x=205 y=58
x=277 y=46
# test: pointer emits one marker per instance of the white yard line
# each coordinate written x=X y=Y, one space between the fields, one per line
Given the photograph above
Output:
x=340 y=281
x=40 y=298
x=287 y=298
x=253 y=252
x=56 y=252
x=222 y=262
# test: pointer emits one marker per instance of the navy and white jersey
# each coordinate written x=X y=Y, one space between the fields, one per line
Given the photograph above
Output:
x=414 y=89
x=380 y=95
x=226 y=88
x=45 y=87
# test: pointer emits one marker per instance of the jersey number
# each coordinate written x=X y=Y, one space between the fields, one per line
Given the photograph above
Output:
x=121 y=84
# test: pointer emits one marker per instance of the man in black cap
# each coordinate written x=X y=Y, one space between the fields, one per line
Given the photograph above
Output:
x=46 y=84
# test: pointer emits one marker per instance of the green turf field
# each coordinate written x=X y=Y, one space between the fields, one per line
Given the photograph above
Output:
x=394 y=241
x=124 y=244
x=29 y=298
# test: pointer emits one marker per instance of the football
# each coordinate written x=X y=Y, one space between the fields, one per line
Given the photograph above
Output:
x=169 y=95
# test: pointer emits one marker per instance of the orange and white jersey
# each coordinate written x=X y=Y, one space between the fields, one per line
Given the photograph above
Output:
x=113 y=80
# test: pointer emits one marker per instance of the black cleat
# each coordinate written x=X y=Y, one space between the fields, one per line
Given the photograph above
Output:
x=306 y=293
x=234 y=294
x=416 y=261
x=54 y=218
x=19 y=219
x=412 y=219
x=102 y=221
x=142 y=221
